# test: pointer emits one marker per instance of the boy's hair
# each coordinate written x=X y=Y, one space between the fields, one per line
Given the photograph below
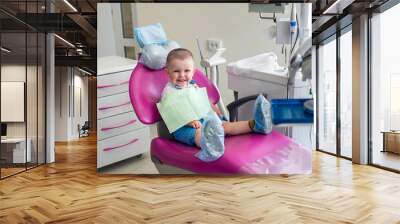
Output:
x=178 y=53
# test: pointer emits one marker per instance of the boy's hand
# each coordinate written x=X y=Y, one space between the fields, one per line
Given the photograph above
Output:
x=195 y=124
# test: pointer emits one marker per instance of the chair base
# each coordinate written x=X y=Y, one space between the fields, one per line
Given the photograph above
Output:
x=167 y=169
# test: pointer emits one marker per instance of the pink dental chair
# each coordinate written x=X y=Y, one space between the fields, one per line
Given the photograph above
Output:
x=244 y=154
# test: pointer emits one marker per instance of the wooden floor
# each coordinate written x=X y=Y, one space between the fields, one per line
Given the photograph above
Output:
x=387 y=159
x=71 y=191
x=11 y=170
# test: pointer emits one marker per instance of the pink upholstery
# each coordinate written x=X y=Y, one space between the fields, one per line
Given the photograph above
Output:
x=251 y=154
x=145 y=89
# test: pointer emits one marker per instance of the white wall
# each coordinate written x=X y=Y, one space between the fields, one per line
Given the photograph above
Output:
x=243 y=33
x=16 y=73
x=109 y=29
x=105 y=31
x=33 y=125
x=80 y=83
x=61 y=103
x=67 y=80
x=11 y=73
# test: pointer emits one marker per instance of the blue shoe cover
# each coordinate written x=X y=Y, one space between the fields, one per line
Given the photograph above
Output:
x=262 y=115
x=212 y=140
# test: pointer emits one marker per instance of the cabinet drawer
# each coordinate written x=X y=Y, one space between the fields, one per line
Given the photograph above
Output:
x=113 y=83
x=121 y=147
x=113 y=105
x=116 y=125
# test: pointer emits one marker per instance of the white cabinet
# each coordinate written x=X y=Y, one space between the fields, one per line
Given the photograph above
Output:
x=112 y=105
x=113 y=83
x=123 y=146
x=120 y=134
x=118 y=124
x=15 y=148
x=249 y=77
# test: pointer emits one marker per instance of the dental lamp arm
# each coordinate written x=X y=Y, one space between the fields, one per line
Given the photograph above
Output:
x=215 y=59
x=299 y=59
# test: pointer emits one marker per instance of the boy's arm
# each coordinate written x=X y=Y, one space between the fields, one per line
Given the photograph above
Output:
x=215 y=109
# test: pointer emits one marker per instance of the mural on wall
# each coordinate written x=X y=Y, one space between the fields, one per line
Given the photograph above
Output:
x=169 y=113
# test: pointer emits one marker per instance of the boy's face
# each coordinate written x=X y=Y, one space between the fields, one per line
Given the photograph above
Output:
x=181 y=71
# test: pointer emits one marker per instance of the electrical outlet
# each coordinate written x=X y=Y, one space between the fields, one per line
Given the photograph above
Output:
x=214 y=44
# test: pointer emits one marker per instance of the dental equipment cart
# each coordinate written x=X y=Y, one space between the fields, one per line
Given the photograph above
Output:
x=14 y=153
x=262 y=74
x=120 y=134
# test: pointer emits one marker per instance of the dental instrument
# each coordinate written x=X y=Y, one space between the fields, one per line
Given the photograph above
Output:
x=212 y=63
x=261 y=74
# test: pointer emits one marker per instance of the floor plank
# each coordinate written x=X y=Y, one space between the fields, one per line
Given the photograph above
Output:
x=71 y=191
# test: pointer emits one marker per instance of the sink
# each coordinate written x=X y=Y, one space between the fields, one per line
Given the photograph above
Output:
x=261 y=67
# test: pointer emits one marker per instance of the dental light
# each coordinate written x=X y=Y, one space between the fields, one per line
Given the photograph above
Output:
x=5 y=50
x=337 y=7
x=64 y=40
x=84 y=71
x=70 y=5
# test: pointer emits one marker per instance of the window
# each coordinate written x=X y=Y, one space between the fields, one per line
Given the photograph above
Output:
x=385 y=88
x=22 y=65
x=327 y=97
x=130 y=52
x=127 y=20
x=346 y=94
x=394 y=102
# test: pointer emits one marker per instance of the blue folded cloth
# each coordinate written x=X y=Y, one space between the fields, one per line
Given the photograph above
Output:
x=170 y=45
x=151 y=34
x=262 y=115
x=154 y=56
x=212 y=139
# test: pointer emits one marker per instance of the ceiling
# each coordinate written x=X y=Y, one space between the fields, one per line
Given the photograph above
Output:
x=76 y=22
x=332 y=15
x=73 y=20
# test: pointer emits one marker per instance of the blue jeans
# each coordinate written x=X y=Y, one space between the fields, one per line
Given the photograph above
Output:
x=186 y=134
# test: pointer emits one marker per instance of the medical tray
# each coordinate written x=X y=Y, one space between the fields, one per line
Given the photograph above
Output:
x=290 y=111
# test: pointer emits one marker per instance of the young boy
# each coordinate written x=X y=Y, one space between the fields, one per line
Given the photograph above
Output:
x=209 y=132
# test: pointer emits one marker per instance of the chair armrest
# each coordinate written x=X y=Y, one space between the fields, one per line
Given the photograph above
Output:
x=232 y=107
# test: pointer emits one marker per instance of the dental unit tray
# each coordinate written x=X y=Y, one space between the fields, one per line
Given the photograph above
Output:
x=291 y=111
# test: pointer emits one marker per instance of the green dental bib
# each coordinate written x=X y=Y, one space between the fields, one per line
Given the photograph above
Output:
x=178 y=108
